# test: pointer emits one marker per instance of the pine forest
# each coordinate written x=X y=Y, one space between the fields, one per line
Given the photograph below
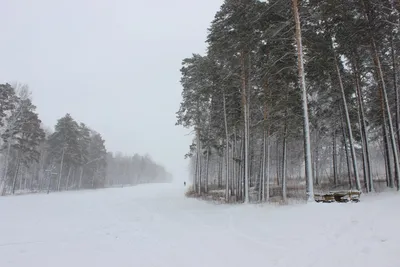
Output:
x=294 y=97
x=73 y=156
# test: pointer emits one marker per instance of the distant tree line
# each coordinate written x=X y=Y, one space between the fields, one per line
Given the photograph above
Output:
x=295 y=89
x=70 y=157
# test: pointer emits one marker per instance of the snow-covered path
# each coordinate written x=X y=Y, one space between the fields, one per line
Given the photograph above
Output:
x=154 y=225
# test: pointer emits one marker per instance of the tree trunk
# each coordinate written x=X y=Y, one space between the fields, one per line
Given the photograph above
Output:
x=198 y=162
x=378 y=65
x=61 y=170
x=95 y=174
x=4 y=180
x=206 y=174
x=302 y=81
x=364 y=132
x=246 y=128
x=68 y=178
x=347 y=117
x=387 y=167
x=386 y=142
x=268 y=168
x=389 y=118
x=242 y=170
x=317 y=160
x=74 y=180
x=226 y=150
x=335 y=180
x=234 y=165
x=21 y=180
x=387 y=154
x=80 y=178
x=260 y=174
x=200 y=172
x=220 y=172
x=250 y=150
x=206 y=178
x=364 y=158
x=49 y=174
x=263 y=166
x=396 y=91
x=284 y=163
x=278 y=163
x=16 y=174
x=346 y=151
x=32 y=177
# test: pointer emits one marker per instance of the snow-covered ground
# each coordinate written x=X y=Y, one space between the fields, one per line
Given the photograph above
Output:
x=154 y=225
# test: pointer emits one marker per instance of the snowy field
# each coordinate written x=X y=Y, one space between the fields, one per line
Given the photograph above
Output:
x=154 y=225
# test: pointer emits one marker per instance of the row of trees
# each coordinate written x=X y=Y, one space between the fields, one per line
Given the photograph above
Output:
x=71 y=157
x=281 y=79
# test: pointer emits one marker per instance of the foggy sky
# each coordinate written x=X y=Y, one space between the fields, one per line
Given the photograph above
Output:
x=112 y=64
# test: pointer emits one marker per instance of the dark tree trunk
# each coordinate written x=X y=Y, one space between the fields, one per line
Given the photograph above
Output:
x=364 y=132
x=345 y=149
x=386 y=143
x=335 y=180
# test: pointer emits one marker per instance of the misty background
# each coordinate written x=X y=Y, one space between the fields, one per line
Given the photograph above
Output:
x=112 y=64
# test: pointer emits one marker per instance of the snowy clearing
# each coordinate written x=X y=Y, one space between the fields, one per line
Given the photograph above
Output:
x=155 y=225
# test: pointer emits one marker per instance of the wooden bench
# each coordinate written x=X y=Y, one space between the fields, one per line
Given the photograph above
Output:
x=325 y=198
x=339 y=196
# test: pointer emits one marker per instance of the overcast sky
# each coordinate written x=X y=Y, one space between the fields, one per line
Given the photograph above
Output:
x=112 y=64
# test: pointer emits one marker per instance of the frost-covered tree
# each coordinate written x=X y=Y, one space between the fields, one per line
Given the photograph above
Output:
x=72 y=156
x=64 y=149
x=7 y=101
x=22 y=137
x=272 y=66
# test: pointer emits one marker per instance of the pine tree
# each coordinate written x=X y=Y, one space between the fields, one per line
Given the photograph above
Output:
x=64 y=148
x=84 y=145
x=248 y=97
x=97 y=163
x=22 y=136
x=7 y=101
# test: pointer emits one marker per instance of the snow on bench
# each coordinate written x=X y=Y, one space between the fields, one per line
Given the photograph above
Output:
x=339 y=196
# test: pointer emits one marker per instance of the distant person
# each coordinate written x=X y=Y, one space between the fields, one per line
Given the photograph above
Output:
x=184 y=183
